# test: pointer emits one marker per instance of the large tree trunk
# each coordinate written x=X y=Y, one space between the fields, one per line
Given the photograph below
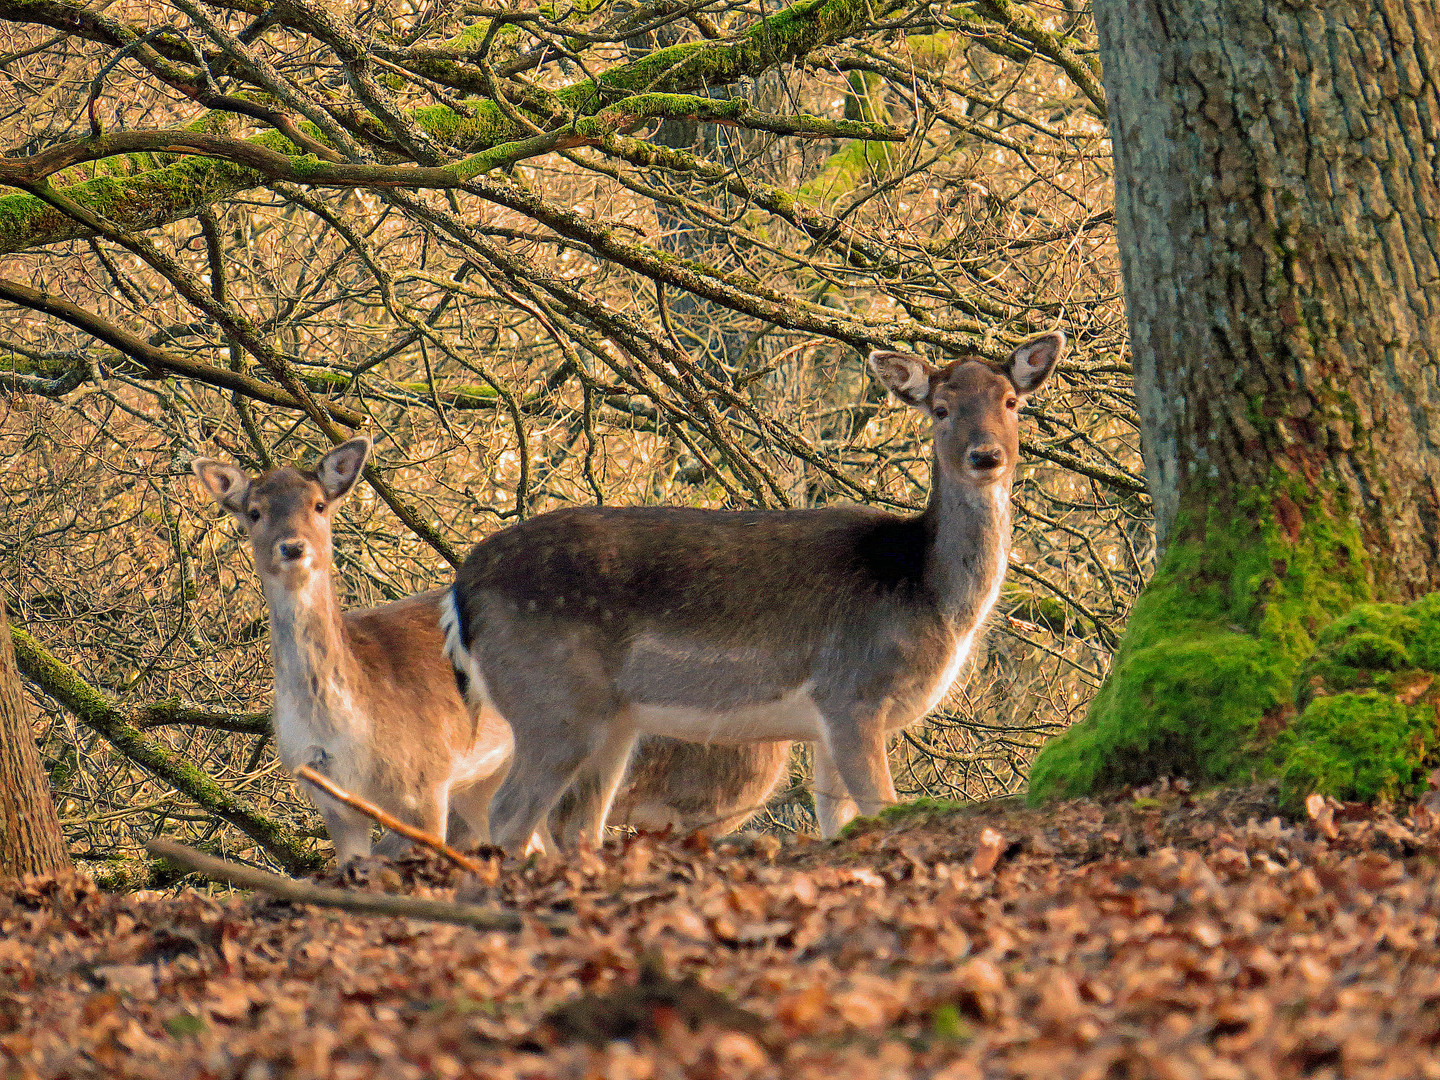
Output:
x=1277 y=208
x=30 y=838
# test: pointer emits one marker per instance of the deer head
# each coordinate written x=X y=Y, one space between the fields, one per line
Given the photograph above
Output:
x=975 y=405
x=287 y=512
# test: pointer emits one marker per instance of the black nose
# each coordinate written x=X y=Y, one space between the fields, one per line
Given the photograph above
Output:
x=292 y=549
x=985 y=459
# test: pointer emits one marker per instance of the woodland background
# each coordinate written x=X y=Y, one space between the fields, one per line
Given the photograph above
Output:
x=666 y=311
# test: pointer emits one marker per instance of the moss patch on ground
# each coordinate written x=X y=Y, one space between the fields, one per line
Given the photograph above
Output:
x=926 y=811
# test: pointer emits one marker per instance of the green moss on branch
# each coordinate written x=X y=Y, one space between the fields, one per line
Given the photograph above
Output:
x=92 y=709
x=151 y=198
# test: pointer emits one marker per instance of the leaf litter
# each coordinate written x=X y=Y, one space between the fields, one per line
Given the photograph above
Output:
x=1163 y=934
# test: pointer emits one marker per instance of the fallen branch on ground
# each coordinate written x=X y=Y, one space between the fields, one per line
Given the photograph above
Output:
x=394 y=824
x=305 y=892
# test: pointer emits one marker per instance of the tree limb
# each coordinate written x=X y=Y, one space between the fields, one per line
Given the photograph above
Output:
x=91 y=708
x=157 y=359
x=173 y=712
x=1055 y=47
x=146 y=201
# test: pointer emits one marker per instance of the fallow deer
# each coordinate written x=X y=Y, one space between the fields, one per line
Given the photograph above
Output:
x=364 y=697
x=369 y=699
x=678 y=787
x=586 y=627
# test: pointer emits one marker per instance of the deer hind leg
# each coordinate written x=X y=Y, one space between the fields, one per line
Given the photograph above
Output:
x=598 y=781
x=578 y=803
x=857 y=752
x=588 y=805
x=834 y=809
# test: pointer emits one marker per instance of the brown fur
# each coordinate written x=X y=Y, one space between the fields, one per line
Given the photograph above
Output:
x=681 y=786
x=365 y=697
x=415 y=726
x=587 y=627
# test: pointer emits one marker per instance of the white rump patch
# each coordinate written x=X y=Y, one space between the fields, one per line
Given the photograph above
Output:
x=477 y=694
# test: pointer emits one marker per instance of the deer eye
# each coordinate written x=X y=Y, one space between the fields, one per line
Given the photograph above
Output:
x=254 y=516
x=319 y=507
x=939 y=412
x=1010 y=403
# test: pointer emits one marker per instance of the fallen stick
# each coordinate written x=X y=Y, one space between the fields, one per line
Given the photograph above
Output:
x=304 y=892
x=394 y=824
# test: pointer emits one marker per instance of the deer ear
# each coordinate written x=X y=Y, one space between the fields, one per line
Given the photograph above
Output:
x=1030 y=365
x=340 y=468
x=905 y=375
x=224 y=483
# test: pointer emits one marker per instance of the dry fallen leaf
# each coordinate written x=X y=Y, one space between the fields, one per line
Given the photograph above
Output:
x=1323 y=815
x=1185 y=948
x=987 y=854
x=1430 y=803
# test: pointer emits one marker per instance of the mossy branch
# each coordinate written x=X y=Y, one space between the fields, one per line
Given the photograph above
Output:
x=154 y=359
x=156 y=197
x=274 y=164
x=172 y=712
x=1058 y=48
x=119 y=729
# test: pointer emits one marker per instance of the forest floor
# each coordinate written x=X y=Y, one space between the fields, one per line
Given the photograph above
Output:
x=1157 y=935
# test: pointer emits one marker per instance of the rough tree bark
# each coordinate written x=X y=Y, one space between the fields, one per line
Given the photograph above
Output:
x=1277 y=208
x=30 y=838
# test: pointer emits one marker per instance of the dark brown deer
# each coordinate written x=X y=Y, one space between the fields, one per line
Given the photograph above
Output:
x=587 y=627
x=369 y=699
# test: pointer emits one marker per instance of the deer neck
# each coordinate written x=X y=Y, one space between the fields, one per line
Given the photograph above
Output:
x=968 y=547
x=316 y=675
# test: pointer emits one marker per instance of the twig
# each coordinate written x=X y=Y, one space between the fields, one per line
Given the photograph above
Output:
x=394 y=824
x=304 y=892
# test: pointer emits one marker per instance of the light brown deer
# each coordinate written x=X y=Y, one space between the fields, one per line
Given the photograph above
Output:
x=586 y=627
x=678 y=787
x=369 y=699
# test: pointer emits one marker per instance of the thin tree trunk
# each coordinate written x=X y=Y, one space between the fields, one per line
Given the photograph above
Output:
x=1276 y=209
x=30 y=838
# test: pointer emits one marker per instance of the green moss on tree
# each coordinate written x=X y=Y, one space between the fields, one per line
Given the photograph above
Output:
x=1369 y=696
x=1214 y=645
x=1364 y=648
x=1257 y=650
x=1356 y=746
